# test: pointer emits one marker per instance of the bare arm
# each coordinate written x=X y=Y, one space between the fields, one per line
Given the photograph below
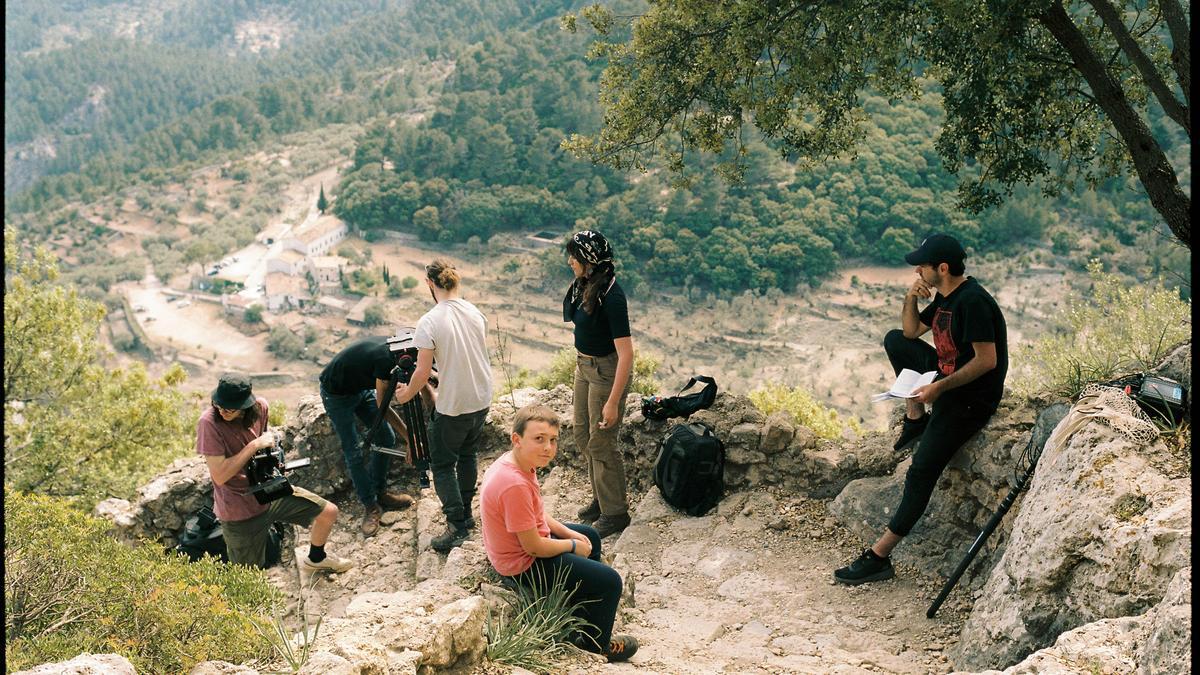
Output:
x=620 y=381
x=419 y=378
x=983 y=361
x=544 y=547
x=910 y=318
x=223 y=468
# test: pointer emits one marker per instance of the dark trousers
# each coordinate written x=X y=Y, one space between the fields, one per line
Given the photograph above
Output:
x=597 y=586
x=368 y=474
x=953 y=421
x=453 y=440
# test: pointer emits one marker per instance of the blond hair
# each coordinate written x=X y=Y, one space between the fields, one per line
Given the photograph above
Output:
x=442 y=273
x=534 y=412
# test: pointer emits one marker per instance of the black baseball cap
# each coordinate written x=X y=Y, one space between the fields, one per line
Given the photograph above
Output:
x=233 y=392
x=937 y=249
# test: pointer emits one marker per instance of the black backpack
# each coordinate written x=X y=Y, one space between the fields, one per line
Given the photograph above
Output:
x=659 y=408
x=690 y=470
x=202 y=535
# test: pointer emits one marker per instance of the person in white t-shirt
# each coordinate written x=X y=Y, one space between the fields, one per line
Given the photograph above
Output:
x=454 y=334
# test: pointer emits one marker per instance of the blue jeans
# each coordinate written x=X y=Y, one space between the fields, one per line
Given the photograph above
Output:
x=452 y=443
x=597 y=587
x=368 y=475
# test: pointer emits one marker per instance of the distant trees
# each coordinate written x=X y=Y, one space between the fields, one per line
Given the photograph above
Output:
x=322 y=203
x=253 y=314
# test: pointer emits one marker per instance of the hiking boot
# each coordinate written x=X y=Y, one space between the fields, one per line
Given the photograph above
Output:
x=606 y=525
x=621 y=648
x=395 y=501
x=868 y=567
x=370 y=521
x=331 y=563
x=589 y=513
x=911 y=431
x=455 y=535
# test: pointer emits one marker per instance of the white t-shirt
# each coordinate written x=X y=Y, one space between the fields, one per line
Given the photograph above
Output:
x=456 y=331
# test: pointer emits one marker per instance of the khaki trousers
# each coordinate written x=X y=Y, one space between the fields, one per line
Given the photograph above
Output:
x=594 y=377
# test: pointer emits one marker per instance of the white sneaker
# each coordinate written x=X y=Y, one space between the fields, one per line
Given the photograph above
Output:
x=331 y=563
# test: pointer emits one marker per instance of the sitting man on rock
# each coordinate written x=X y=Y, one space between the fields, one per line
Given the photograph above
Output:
x=970 y=354
x=354 y=384
x=231 y=432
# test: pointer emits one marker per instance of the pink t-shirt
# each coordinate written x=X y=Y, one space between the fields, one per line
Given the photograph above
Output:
x=215 y=437
x=510 y=502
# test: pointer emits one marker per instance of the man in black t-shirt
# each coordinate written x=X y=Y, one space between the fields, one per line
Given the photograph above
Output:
x=353 y=384
x=970 y=354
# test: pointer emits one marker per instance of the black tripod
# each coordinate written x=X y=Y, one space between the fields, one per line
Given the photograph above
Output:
x=1047 y=420
x=412 y=414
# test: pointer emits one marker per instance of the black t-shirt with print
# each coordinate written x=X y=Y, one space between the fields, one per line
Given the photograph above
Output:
x=969 y=314
x=356 y=367
x=594 y=333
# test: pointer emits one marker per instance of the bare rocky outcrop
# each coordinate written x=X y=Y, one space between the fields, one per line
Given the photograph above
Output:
x=163 y=504
x=85 y=664
x=1159 y=641
x=1101 y=534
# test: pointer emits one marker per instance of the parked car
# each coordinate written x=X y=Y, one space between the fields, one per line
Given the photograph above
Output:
x=139 y=308
x=150 y=318
x=172 y=298
x=184 y=303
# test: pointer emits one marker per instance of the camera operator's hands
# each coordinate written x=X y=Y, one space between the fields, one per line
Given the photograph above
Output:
x=266 y=440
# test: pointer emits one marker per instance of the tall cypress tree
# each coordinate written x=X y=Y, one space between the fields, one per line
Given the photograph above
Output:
x=322 y=203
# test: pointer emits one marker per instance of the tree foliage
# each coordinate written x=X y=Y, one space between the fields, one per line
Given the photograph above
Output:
x=73 y=427
x=1052 y=91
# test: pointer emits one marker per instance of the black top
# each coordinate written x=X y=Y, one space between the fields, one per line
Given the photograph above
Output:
x=356 y=367
x=969 y=314
x=594 y=333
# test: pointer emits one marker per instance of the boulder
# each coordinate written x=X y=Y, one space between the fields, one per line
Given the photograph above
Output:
x=1100 y=534
x=1159 y=641
x=162 y=505
x=85 y=664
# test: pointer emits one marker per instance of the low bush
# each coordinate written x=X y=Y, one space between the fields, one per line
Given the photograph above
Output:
x=533 y=630
x=562 y=371
x=1114 y=329
x=803 y=408
x=70 y=588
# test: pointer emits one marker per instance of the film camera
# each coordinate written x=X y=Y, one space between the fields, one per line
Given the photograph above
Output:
x=265 y=471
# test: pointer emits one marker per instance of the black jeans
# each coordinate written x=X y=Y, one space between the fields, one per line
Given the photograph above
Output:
x=597 y=586
x=953 y=421
x=452 y=443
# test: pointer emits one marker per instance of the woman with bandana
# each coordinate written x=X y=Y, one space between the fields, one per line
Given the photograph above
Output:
x=595 y=303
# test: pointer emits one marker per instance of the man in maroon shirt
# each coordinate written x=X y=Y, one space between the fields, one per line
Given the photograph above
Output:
x=231 y=432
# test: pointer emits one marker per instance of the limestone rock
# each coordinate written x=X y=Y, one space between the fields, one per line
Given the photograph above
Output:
x=221 y=668
x=777 y=433
x=85 y=664
x=1100 y=535
x=163 y=504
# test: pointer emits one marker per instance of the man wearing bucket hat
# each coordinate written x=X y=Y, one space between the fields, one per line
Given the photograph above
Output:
x=230 y=432
x=970 y=354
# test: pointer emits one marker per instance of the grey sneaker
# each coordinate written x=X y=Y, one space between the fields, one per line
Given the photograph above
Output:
x=331 y=563
x=454 y=535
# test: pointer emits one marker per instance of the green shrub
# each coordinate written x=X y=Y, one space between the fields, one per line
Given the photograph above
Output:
x=1116 y=328
x=69 y=588
x=562 y=371
x=533 y=630
x=803 y=408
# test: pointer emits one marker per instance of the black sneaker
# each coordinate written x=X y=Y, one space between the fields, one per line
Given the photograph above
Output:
x=868 y=567
x=606 y=525
x=911 y=431
x=454 y=535
x=589 y=513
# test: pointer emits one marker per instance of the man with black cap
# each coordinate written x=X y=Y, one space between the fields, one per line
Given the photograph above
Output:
x=970 y=354
x=353 y=384
x=228 y=435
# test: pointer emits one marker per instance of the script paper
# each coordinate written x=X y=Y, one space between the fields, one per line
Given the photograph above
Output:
x=905 y=383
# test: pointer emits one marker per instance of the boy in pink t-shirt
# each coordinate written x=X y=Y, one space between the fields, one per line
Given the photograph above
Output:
x=524 y=543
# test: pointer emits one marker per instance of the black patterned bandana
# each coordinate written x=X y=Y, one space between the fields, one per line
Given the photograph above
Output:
x=593 y=247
